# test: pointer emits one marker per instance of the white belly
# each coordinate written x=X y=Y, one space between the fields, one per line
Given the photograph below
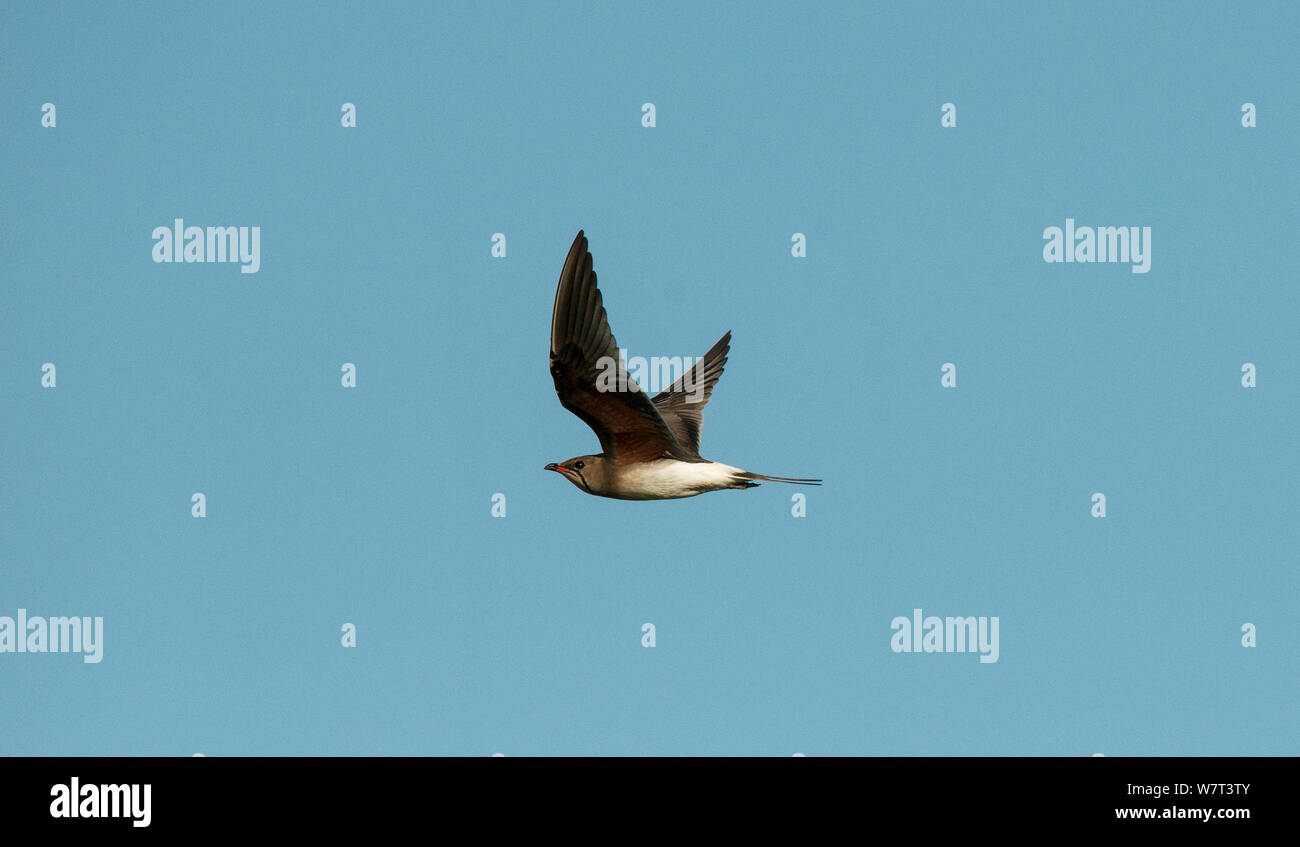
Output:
x=668 y=478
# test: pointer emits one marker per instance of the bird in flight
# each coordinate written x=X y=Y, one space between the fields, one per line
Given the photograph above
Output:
x=650 y=447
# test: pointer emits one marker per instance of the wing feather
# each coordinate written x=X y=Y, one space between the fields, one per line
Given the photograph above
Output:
x=682 y=403
x=588 y=371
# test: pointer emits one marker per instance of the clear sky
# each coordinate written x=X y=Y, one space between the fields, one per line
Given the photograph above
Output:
x=522 y=635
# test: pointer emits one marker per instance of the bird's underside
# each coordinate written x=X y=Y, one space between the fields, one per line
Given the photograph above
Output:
x=649 y=446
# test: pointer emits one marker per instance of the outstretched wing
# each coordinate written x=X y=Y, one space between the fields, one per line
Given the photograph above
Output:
x=589 y=375
x=682 y=404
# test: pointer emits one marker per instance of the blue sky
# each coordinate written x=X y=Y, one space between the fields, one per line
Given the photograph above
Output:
x=522 y=635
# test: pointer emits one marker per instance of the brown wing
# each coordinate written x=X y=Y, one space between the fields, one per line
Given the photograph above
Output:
x=682 y=404
x=590 y=377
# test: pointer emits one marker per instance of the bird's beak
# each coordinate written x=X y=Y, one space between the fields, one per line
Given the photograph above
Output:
x=552 y=467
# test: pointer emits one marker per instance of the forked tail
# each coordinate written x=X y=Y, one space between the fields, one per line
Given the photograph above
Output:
x=742 y=479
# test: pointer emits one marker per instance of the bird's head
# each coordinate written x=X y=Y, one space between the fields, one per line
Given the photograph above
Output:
x=586 y=472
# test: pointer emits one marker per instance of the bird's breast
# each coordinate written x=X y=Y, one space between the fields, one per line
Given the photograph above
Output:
x=665 y=479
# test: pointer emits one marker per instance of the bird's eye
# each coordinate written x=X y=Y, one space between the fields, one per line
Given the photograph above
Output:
x=578 y=465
